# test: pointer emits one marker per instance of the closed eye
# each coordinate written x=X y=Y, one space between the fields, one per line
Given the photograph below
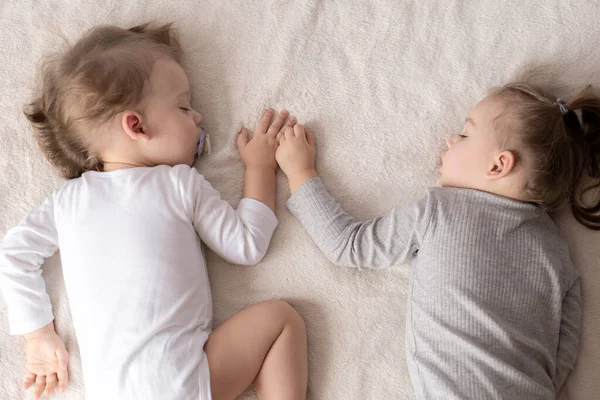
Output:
x=462 y=136
x=184 y=109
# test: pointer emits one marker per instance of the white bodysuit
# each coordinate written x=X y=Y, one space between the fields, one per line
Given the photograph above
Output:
x=135 y=274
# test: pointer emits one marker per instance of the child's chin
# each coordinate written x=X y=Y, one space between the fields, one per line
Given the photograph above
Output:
x=442 y=180
x=445 y=182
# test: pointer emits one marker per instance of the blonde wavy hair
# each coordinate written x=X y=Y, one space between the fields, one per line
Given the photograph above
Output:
x=103 y=73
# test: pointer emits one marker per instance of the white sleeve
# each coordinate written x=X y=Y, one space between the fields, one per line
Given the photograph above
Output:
x=22 y=253
x=240 y=236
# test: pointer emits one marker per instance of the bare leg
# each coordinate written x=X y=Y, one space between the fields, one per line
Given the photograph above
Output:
x=264 y=344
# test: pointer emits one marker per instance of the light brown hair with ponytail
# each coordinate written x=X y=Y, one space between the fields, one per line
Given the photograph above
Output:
x=103 y=73
x=562 y=146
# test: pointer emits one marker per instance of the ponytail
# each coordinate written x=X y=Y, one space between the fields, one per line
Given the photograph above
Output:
x=585 y=138
x=562 y=142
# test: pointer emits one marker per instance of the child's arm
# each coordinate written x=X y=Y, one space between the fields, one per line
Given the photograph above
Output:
x=568 y=342
x=258 y=156
x=242 y=236
x=377 y=243
x=22 y=253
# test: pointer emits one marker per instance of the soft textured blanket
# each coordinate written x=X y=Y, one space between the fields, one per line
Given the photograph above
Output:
x=380 y=83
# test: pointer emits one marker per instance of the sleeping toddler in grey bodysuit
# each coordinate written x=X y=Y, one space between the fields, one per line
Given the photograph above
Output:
x=494 y=302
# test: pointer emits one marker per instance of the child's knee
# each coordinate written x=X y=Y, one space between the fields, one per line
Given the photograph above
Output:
x=286 y=314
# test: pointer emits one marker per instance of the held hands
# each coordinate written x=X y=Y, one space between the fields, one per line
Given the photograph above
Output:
x=296 y=155
x=259 y=152
x=292 y=146
x=47 y=360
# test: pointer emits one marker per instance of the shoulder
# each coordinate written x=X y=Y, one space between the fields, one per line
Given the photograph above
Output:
x=179 y=177
x=181 y=173
x=448 y=195
x=189 y=182
x=437 y=199
x=68 y=188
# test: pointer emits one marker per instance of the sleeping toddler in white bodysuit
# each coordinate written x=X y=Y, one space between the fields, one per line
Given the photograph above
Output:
x=114 y=116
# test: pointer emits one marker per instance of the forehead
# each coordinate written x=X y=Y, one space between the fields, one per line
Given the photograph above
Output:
x=167 y=77
x=494 y=121
x=487 y=112
x=487 y=109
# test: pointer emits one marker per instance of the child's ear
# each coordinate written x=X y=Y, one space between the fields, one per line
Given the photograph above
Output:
x=502 y=165
x=133 y=125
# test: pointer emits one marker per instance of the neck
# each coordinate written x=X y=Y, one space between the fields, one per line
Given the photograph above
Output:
x=507 y=188
x=113 y=166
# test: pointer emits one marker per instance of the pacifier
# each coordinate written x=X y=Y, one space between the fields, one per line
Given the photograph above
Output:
x=204 y=146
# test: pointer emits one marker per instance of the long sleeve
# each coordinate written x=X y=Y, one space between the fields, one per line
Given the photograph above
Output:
x=22 y=253
x=240 y=236
x=377 y=243
x=568 y=344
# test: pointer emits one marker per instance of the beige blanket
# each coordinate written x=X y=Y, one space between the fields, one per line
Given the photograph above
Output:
x=380 y=83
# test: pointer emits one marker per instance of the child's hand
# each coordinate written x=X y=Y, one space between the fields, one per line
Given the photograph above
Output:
x=296 y=155
x=260 y=151
x=47 y=360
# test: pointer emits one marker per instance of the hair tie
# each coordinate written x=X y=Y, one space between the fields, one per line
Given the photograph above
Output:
x=561 y=104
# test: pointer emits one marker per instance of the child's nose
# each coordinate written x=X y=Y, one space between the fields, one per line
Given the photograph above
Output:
x=197 y=118
x=452 y=140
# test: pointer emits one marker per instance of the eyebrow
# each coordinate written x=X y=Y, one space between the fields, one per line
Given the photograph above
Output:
x=471 y=121
x=182 y=94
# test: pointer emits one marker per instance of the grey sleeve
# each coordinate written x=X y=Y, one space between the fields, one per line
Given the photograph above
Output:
x=377 y=243
x=568 y=343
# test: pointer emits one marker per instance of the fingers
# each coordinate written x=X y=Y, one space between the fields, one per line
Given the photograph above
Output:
x=51 y=381
x=45 y=384
x=29 y=380
x=63 y=379
x=40 y=384
x=310 y=138
x=278 y=123
x=242 y=139
x=275 y=129
x=279 y=136
x=299 y=131
x=62 y=375
x=290 y=123
x=264 y=122
x=289 y=133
